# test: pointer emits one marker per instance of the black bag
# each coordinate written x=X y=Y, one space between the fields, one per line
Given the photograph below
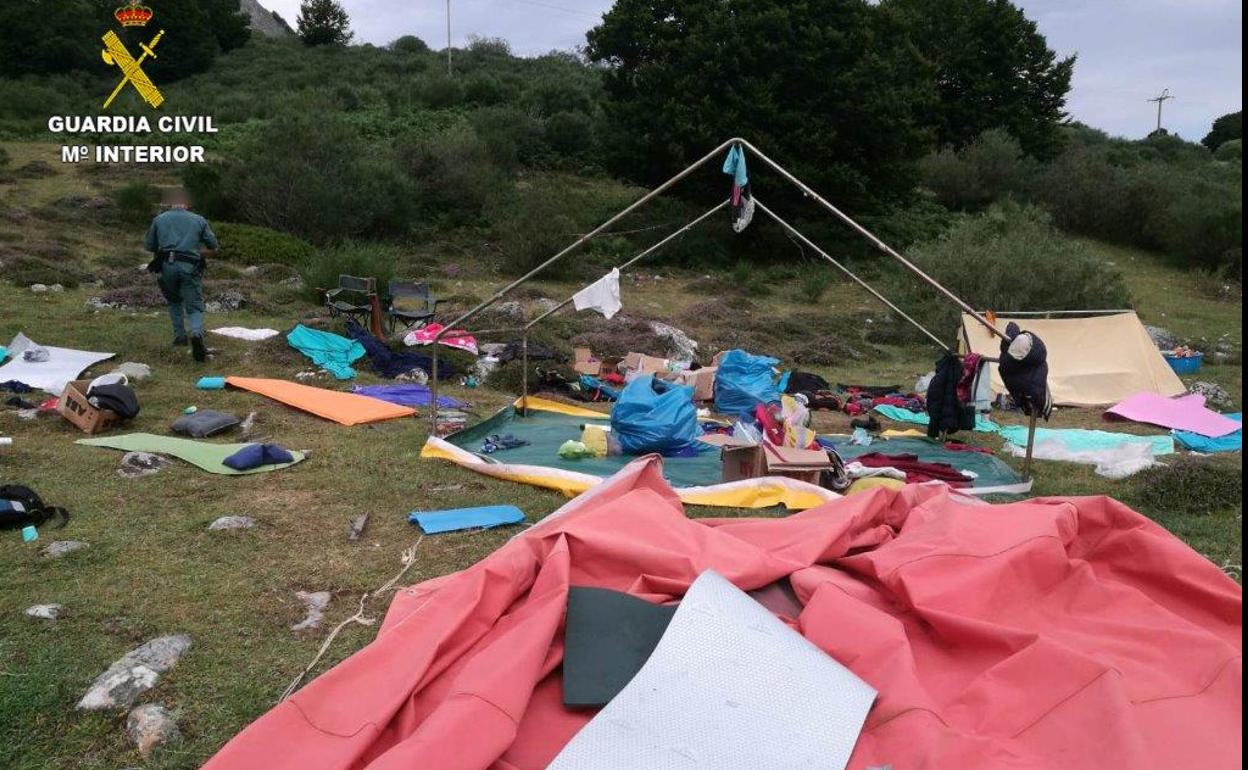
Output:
x=157 y=263
x=35 y=513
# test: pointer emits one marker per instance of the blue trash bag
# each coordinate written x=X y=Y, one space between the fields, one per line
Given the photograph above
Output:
x=742 y=382
x=654 y=416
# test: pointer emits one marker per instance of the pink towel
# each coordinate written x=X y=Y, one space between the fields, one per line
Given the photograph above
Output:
x=456 y=338
x=1184 y=413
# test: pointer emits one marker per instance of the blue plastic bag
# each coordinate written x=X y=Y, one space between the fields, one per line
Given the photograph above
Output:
x=654 y=416
x=742 y=382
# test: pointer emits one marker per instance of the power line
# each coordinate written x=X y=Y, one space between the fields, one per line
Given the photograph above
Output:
x=553 y=7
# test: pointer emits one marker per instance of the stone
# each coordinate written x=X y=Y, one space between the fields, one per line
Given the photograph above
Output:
x=151 y=726
x=315 y=603
x=545 y=305
x=511 y=309
x=44 y=611
x=56 y=288
x=135 y=465
x=134 y=673
x=1162 y=338
x=58 y=548
x=228 y=301
x=233 y=522
x=39 y=288
x=1216 y=397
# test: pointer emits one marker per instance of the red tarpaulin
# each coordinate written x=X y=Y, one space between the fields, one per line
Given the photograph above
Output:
x=1059 y=633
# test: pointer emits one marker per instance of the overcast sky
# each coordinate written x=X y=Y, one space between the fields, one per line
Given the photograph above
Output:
x=1129 y=50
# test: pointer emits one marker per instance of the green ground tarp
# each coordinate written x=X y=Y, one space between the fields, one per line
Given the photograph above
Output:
x=991 y=471
x=545 y=431
x=202 y=454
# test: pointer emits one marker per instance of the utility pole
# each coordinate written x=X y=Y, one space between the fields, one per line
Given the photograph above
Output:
x=448 y=38
x=1160 y=99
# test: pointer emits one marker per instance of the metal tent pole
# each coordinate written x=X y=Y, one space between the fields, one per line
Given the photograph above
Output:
x=640 y=256
x=433 y=392
x=864 y=232
x=578 y=242
x=524 y=376
x=1031 y=443
x=797 y=234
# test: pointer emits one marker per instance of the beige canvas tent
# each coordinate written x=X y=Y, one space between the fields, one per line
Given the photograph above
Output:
x=1095 y=361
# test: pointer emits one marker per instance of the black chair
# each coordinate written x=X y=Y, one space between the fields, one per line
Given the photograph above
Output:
x=352 y=299
x=410 y=304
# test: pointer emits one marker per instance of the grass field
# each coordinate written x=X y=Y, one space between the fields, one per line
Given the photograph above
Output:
x=151 y=567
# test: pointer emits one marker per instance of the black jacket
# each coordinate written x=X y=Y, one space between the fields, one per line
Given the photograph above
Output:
x=948 y=415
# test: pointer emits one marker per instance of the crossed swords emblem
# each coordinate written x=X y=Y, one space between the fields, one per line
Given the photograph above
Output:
x=117 y=54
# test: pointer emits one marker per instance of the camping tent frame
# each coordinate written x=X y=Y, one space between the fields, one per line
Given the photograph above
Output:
x=806 y=190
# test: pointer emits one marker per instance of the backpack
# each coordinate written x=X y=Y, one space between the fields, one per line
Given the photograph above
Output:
x=21 y=507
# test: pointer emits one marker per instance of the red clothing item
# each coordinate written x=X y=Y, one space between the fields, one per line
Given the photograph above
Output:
x=1067 y=633
x=966 y=383
x=916 y=471
x=958 y=446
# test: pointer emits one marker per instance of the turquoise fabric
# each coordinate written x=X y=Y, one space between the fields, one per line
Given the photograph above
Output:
x=1080 y=440
x=897 y=413
x=211 y=383
x=4 y=353
x=734 y=165
x=1198 y=443
x=331 y=352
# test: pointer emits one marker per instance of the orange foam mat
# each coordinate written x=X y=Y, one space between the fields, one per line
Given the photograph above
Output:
x=342 y=408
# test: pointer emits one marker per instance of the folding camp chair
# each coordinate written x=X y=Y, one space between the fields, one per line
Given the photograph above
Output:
x=351 y=299
x=410 y=304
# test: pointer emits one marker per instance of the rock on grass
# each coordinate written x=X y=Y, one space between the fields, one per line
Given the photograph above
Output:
x=150 y=726
x=58 y=548
x=233 y=522
x=315 y=602
x=134 y=673
x=44 y=611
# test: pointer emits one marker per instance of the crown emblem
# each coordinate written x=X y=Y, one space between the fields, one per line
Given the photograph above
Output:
x=133 y=15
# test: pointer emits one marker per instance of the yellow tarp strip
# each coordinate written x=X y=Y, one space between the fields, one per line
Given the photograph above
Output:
x=546 y=405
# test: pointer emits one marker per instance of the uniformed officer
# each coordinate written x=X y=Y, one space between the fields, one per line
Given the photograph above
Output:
x=181 y=243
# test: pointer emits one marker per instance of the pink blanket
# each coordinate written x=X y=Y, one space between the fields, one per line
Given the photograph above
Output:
x=456 y=338
x=1185 y=413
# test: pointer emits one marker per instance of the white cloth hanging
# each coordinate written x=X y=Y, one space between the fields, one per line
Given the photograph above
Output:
x=602 y=295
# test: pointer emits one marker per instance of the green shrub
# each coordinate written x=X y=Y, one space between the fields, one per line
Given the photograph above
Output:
x=570 y=134
x=26 y=270
x=1008 y=258
x=409 y=44
x=537 y=227
x=987 y=170
x=813 y=282
x=512 y=138
x=4 y=158
x=1230 y=152
x=136 y=202
x=361 y=259
x=205 y=183
x=313 y=175
x=253 y=245
x=1194 y=485
x=451 y=174
x=438 y=91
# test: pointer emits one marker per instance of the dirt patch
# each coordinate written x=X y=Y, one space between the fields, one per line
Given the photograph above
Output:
x=832 y=350
x=36 y=169
x=621 y=336
x=714 y=312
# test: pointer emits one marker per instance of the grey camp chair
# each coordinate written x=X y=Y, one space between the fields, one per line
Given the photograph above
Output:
x=411 y=304
x=351 y=299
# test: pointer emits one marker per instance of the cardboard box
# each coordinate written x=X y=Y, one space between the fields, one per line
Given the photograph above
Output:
x=801 y=464
x=75 y=407
x=640 y=362
x=583 y=362
x=701 y=380
x=741 y=462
